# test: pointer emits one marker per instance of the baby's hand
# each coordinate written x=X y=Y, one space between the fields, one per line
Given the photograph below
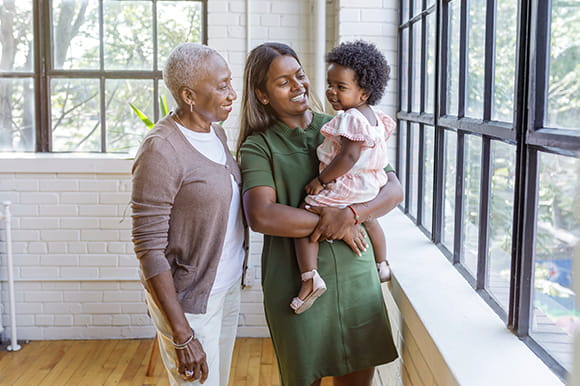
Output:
x=314 y=187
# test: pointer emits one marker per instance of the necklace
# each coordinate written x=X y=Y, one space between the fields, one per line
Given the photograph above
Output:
x=177 y=119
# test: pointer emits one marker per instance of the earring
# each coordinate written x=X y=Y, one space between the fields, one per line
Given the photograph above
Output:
x=191 y=107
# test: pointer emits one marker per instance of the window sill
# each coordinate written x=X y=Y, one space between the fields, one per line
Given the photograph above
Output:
x=65 y=163
x=462 y=340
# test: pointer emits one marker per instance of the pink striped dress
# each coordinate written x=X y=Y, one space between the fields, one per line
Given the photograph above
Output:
x=367 y=176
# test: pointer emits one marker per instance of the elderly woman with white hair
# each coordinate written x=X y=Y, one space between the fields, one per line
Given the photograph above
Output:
x=188 y=230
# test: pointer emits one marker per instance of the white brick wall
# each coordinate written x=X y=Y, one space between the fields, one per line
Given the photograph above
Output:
x=76 y=275
x=375 y=21
x=287 y=21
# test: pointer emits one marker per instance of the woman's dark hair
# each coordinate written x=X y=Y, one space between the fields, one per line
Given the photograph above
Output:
x=369 y=64
x=254 y=115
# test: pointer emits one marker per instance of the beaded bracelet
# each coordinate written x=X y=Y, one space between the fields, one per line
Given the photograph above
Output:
x=356 y=216
x=182 y=346
x=321 y=183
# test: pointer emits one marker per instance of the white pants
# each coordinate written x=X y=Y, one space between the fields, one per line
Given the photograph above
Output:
x=215 y=330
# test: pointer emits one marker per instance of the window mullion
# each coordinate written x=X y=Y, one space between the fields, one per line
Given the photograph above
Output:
x=520 y=119
x=204 y=21
x=438 y=186
x=485 y=197
x=420 y=174
x=463 y=57
x=42 y=54
x=103 y=118
x=155 y=64
x=540 y=20
x=489 y=58
x=522 y=322
x=423 y=76
x=441 y=52
x=409 y=146
x=459 y=178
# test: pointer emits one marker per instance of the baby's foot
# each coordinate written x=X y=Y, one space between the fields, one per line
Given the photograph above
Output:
x=384 y=271
x=312 y=287
x=305 y=289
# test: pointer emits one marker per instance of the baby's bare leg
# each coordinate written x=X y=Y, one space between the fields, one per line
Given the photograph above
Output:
x=378 y=240
x=312 y=286
x=306 y=253
x=380 y=249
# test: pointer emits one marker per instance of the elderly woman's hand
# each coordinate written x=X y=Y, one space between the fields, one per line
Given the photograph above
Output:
x=192 y=361
x=338 y=224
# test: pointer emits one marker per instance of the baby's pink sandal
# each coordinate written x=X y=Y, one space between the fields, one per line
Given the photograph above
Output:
x=318 y=288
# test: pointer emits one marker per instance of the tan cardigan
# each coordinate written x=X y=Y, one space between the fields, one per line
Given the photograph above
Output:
x=180 y=203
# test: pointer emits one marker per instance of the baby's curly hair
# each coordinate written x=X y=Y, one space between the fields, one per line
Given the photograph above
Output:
x=370 y=66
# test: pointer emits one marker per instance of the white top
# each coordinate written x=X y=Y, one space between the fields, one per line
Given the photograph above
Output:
x=231 y=262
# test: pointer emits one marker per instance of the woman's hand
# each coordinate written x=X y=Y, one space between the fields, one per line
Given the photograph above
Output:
x=333 y=223
x=191 y=357
x=338 y=224
x=192 y=361
x=356 y=239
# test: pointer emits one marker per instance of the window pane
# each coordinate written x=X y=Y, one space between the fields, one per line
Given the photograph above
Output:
x=404 y=72
x=449 y=183
x=500 y=221
x=177 y=21
x=428 y=166
x=416 y=68
x=401 y=172
x=471 y=200
x=475 y=59
x=75 y=29
x=16 y=46
x=124 y=128
x=430 y=70
x=414 y=169
x=453 y=58
x=417 y=4
x=505 y=60
x=405 y=10
x=564 y=86
x=17 y=115
x=554 y=314
x=75 y=115
x=128 y=35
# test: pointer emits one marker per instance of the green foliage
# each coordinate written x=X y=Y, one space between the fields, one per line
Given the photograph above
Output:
x=148 y=122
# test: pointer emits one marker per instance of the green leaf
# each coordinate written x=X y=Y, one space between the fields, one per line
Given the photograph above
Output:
x=143 y=117
x=163 y=105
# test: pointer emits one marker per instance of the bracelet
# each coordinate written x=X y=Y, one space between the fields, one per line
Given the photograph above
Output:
x=321 y=183
x=182 y=346
x=356 y=216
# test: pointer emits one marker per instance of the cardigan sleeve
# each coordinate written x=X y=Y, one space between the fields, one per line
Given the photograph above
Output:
x=156 y=181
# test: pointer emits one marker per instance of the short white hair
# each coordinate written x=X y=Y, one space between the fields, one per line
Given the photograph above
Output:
x=185 y=64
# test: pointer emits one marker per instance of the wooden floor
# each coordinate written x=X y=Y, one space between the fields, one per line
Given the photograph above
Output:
x=122 y=362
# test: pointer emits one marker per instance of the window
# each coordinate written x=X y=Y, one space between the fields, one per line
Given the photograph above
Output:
x=489 y=156
x=70 y=68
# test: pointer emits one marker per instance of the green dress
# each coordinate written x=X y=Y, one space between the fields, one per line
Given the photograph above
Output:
x=347 y=329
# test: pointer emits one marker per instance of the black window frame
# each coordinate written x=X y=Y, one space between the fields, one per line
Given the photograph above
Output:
x=526 y=132
x=43 y=72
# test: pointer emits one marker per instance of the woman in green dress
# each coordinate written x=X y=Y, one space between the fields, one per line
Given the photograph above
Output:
x=346 y=333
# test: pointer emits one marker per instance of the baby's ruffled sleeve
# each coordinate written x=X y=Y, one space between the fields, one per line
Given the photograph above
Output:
x=389 y=123
x=350 y=126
